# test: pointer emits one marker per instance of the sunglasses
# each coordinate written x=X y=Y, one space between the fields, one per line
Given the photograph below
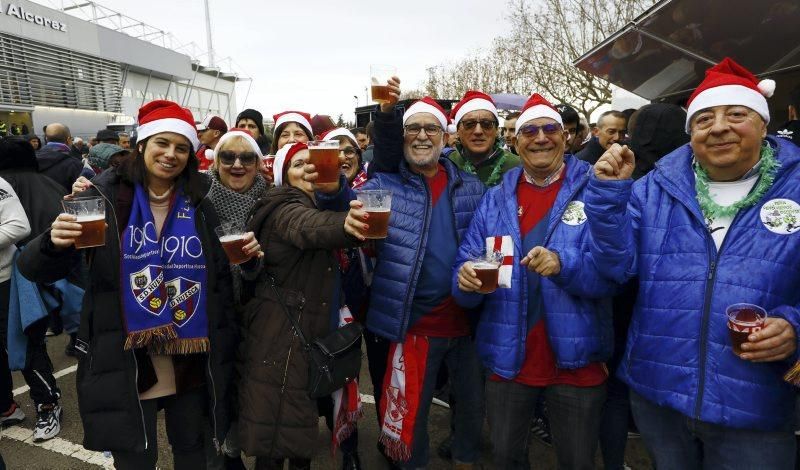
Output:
x=228 y=158
x=486 y=124
x=532 y=130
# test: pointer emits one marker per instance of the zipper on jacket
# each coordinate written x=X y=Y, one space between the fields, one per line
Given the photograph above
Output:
x=214 y=405
x=423 y=240
x=139 y=402
x=278 y=421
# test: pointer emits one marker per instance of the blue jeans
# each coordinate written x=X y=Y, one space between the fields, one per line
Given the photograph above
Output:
x=574 y=414
x=467 y=384
x=677 y=442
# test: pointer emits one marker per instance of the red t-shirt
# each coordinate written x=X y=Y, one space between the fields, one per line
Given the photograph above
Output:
x=539 y=366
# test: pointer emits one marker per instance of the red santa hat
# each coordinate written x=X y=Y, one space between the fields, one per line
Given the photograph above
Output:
x=301 y=118
x=473 y=101
x=730 y=84
x=427 y=105
x=166 y=116
x=537 y=107
x=235 y=132
x=282 y=160
x=339 y=132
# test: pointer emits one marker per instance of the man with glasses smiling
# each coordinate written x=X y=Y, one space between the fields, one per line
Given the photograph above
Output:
x=549 y=333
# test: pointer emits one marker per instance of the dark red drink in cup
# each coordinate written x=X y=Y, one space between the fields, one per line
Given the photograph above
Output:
x=744 y=320
x=232 y=238
x=324 y=156
x=488 y=274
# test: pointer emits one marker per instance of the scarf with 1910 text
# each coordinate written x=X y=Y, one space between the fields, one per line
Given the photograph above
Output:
x=164 y=279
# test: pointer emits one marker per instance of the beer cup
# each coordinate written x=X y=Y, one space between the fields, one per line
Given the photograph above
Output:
x=325 y=158
x=487 y=270
x=743 y=320
x=91 y=214
x=378 y=204
x=231 y=236
x=379 y=75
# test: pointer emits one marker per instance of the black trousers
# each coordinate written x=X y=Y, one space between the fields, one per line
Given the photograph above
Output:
x=185 y=425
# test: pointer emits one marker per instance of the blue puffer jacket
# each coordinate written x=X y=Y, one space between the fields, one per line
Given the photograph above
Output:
x=576 y=302
x=400 y=254
x=679 y=352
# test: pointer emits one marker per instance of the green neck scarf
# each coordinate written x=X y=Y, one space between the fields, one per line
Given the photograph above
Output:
x=497 y=169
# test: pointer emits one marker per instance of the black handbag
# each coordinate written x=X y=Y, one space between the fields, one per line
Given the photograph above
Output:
x=333 y=360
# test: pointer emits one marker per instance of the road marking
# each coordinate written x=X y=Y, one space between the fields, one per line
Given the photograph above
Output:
x=59 y=374
x=60 y=446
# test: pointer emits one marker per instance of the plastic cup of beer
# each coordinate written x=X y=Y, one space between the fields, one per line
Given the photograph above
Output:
x=325 y=158
x=487 y=270
x=378 y=204
x=743 y=320
x=91 y=214
x=231 y=236
x=379 y=75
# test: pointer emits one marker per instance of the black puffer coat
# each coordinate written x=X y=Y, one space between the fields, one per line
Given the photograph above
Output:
x=108 y=396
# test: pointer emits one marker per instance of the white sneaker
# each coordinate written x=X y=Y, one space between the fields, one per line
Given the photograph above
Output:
x=48 y=422
x=13 y=416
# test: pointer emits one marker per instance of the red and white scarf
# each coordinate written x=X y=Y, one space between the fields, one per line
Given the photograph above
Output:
x=347 y=408
x=402 y=389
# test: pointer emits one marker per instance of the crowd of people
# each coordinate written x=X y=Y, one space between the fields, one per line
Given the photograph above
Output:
x=619 y=249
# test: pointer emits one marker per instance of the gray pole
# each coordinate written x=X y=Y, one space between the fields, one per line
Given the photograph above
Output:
x=208 y=36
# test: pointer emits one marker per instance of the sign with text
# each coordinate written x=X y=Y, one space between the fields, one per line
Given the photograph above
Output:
x=20 y=12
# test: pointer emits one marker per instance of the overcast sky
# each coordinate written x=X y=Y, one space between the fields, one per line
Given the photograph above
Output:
x=314 y=55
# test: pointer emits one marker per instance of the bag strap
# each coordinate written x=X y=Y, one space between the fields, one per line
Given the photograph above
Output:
x=295 y=325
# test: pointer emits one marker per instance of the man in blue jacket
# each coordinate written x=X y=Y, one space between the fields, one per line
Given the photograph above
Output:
x=716 y=223
x=411 y=304
x=549 y=333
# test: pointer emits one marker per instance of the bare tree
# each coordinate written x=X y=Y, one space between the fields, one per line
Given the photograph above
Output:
x=544 y=37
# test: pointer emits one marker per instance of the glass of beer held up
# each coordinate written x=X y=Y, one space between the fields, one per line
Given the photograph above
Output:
x=91 y=214
x=379 y=75
x=487 y=270
x=744 y=320
x=378 y=204
x=232 y=238
x=325 y=158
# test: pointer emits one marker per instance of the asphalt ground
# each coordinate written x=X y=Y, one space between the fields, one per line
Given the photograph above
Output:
x=66 y=452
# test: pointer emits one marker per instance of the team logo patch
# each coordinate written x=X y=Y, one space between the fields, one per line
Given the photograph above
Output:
x=574 y=214
x=781 y=216
x=184 y=296
x=148 y=289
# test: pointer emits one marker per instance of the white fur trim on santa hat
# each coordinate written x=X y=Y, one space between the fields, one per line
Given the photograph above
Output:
x=340 y=132
x=476 y=104
x=277 y=166
x=294 y=117
x=538 y=111
x=422 y=107
x=728 y=95
x=231 y=134
x=178 y=126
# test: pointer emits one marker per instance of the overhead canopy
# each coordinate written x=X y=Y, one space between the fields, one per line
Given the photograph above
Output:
x=663 y=54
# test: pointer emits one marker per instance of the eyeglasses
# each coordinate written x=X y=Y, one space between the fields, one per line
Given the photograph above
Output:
x=227 y=157
x=430 y=129
x=532 y=130
x=349 y=152
x=486 y=124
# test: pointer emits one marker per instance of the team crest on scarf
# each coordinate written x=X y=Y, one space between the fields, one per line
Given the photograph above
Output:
x=183 y=299
x=148 y=288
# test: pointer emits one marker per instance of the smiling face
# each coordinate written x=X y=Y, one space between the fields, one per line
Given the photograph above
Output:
x=294 y=174
x=726 y=140
x=478 y=140
x=291 y=133
x=422 y=151
x=541 y=153
x=236 y=176
x=347 y=149
x=165 y=157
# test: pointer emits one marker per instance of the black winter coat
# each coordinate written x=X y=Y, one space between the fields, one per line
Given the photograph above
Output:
x=62 y=167
x=108 y=396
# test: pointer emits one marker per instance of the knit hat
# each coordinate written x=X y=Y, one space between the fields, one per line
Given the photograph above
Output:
x=235 y=132
x=427 y=105
x=537 y=107
x=166 y=116
x=730 y=84
x=214 y=123
x=339 y=132
x=100 y=154
x=255 y=116
x=282 y=159
x=301 y=118
x=473 y=101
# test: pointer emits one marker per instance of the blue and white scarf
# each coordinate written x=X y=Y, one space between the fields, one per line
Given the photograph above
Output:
x=164 y=279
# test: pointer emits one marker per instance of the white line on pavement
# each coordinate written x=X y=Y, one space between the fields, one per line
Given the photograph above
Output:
x=61 y=446
x=59 y=374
